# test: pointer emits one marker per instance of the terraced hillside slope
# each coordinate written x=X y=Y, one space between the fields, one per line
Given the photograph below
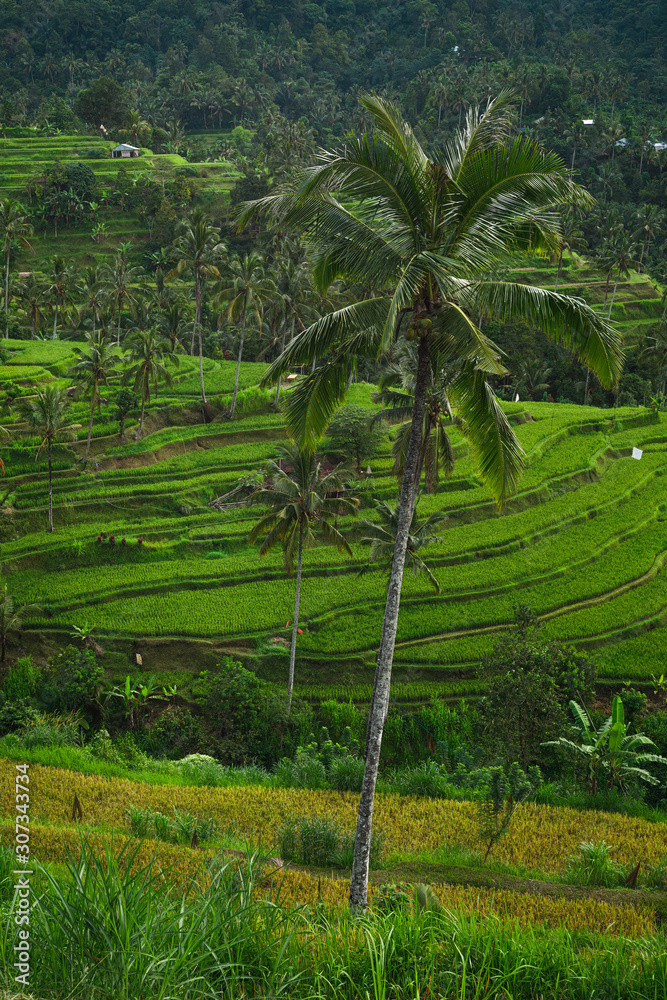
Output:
x=27 y=158
x=583 y=543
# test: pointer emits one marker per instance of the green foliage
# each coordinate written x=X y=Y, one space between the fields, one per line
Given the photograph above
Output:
x=22 y=681
x=351 y=434
x=73 y=680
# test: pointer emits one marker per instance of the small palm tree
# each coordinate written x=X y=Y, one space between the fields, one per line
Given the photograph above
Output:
x=304 y=504
x=14 y=226
x=12 y=617
x=656 y=350
x=47 y=417
x=95 y=366
x=150 y=351
x=382 y=539
x=244 y=289
x=199 y=250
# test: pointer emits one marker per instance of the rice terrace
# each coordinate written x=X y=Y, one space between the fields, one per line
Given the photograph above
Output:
x=333 y=501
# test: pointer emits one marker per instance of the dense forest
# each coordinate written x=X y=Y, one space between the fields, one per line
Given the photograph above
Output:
x=264 y=85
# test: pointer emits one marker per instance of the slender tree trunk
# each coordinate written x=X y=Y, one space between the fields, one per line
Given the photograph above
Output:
x=574 y=153
x=292 y=655
x=588 y=374
x=90 y=426
x=644 y=245
x=238 y=364
x=613 y=294
x=141 y=418
x=55 y=322
x=380 y=701
x=122 y=429
x=282 y=348
x=560 y=264
x=201 y=346
x=118 y=334
x=7 y=290
x=50 y=489
x=606 y=291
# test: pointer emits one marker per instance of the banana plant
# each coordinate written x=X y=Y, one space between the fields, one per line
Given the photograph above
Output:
x=134 y=698
x=610 y=749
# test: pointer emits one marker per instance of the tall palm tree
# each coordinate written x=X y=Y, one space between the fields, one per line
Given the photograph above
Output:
x=14 y=226
x=94 y=290
x=150 y=351
x=292 y=284
x=47 y=417
x=305 y=503
x=59 y=289
x=244 y=288
x=382 y=214
x=649 y=222
x=624 y=257
x=199 y=250
x=572 y=238
x=96 y=365
x=120 y=278
x=31 y=294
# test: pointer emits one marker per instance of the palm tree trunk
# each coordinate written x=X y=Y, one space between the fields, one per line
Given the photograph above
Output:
x=574 y=153
x=560 y=264
x=7 y=289
x=613 y=294
x=606 y=291
x=90 y=427
x=238 y=364
x=118 y=334
x=292 y=655
x=588 y=374
x=141 y=418
x=50 y=489
x=282 y=348
x=380 y=701
x=201 y=346
x=55 y=322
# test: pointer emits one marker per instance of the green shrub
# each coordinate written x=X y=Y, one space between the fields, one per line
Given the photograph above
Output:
x=74 y=680
x=22 y=680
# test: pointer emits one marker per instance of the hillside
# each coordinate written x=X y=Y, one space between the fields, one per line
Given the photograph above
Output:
x=93 y=234
x=582 y=543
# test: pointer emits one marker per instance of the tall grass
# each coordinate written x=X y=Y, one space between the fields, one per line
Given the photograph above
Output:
x=113 y=929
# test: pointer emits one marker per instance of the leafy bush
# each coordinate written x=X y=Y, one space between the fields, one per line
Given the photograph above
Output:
x=73 y=680
x=22 y=680
x=15 y=715
x=200 y=769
